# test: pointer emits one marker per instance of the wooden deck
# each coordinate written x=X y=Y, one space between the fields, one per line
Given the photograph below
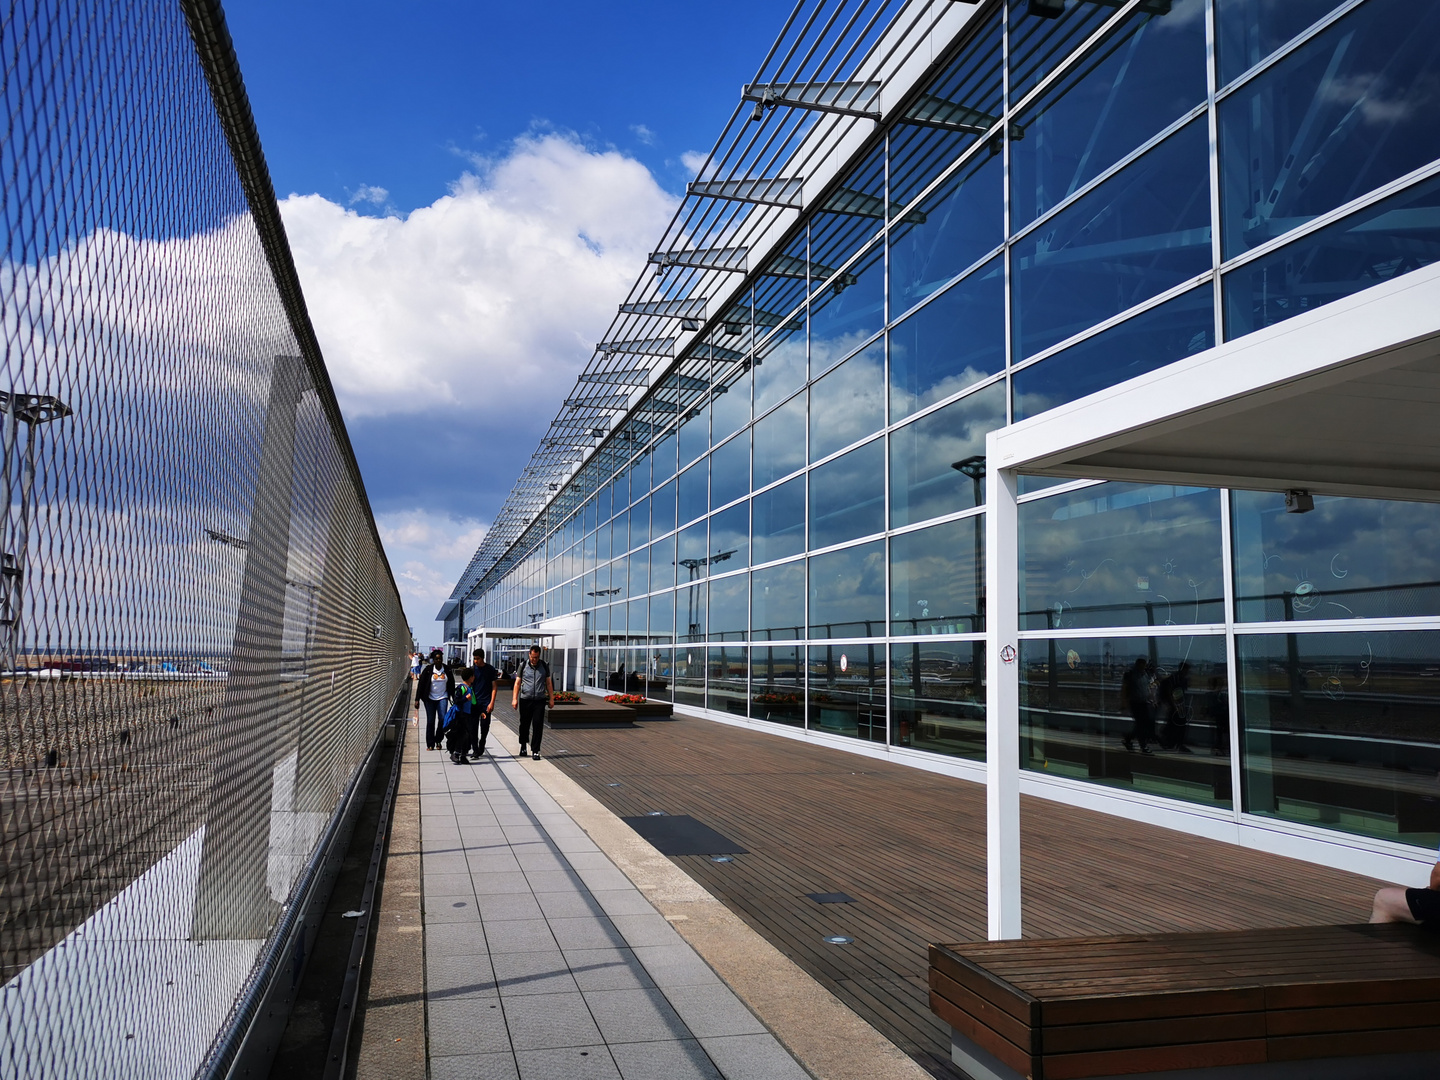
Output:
x=909 y=846
x=1102 y=1006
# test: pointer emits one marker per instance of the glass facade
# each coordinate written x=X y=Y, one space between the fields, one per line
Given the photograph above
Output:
x=789 y=527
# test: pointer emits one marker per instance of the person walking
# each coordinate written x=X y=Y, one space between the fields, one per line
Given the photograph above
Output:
x=486 y=687
x=534 y=690
x=460 y=730
x=433 y=689
x=1135 y=689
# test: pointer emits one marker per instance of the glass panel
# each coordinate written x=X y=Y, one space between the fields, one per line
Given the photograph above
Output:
x=689 y=677
x=1247 y=31
x=690 y=621
x=694 y=491
x=777 y=451
x=956 y=109
x=620 y=532
x=937 y=464
x=640 y=474
x=782 y=286
x=662 y=563
x=662 y=510
x=847 y=691
x=602 y=543
x=849 y=403
x=1350 y=110
x=695 y=431
x=640 y=573
x=777 y=685
x=1121 y=555
x=847 y=496
x=847 y=592
x=620 y=491
x=1152 y=339
x=1148 y=714
x=662 y=617
x=620 y=578
x=659 y=674
x=1038 y=45
x=937 y=576
x=664 y=458
x=849 y=311
x=730 y=471
x=952 y=342
x=1142 y=231
x=617 y=624
x=693 y=552
x=851 y=214
x=955 y=225
x=729 y=679
x=729 y=608
x=1346 y=559
x=777 y=602
x=1145 y=75
x=640 y=523
x=1339 y=731
x=780 y=365
x=638 y=618
x=1393 y=237
x=602 y=504
x=730 y=409
x=937 y=697
x=730 y=538
x=779 y=521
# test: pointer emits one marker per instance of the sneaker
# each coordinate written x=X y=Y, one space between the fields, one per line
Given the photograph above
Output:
x=535 y=756
x=522 y=749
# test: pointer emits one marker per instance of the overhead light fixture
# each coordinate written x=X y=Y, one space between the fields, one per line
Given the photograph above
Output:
x=1299 y=502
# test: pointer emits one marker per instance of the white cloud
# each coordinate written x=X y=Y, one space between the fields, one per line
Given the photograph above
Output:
x=643 y=133
x=370 y=193
x=693 y=160
x=427 y=553
x=493 y=296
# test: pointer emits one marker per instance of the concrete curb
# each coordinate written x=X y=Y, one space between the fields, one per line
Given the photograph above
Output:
x=823 y=1034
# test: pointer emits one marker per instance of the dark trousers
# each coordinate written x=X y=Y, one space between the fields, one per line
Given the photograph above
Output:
x=532 y=712
x=432 y=722
x=458 y=734
x=479 y=731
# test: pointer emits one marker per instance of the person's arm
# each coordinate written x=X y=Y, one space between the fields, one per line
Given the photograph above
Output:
x=515 y=691
x=550 y=689
x=421 y=688
x=1435 y=876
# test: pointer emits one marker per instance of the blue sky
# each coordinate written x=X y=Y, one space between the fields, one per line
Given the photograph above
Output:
x=470 y=189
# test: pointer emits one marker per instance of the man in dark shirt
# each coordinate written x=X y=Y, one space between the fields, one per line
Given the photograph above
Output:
x=485 y=687
x=534 y=689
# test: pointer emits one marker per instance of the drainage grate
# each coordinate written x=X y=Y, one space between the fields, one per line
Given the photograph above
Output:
x=680 y=834
x=831 y=898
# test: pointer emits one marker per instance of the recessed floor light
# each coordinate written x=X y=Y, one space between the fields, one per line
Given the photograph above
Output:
x=612 y=785
x=839 y=939
x=721 y=858
x=655 y=813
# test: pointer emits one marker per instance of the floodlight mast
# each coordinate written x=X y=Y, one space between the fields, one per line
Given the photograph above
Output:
x=33 y=410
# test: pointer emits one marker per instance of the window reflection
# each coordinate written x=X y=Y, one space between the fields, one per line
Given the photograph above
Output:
x=852 y=212
x=659 y=671
x=639 y=573
x=730 y=408
x=694 y=490
x=728 y=689
x=937 y=463
x=847 y=496
x=848 y=311
x=1247 y=31
x=730 y=471
x=777 y=602
x=1145 y=75
x=937 y=697
x=692 y=548
x=1152 y=339
x=937 y=579
x=777 y=684
x=662 y=617
x=1339 y=730
x=955 y=225
x=1088 y=711
x=1038 y=45
x=779 y=521
x=1346 y=559
x=730 y=538
x=688 y=678
x=695 y=431
x=1392 y=237
x=690 y=612
x=847 y=592
x=1142 y=231
x=780 y=365
x=848 y=403
x=1350 y=110
x=952 y=342
x=1121 y=555
x=729 y=608
x=663 y=458
x=662 y=510
x=637 y=622
x=847 y=690
x=778 y=452
x=640 y=523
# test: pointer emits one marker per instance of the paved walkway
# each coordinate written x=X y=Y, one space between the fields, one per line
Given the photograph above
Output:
x=543 y=960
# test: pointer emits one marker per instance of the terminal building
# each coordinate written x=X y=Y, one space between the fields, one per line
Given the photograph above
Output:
x=1050 y=384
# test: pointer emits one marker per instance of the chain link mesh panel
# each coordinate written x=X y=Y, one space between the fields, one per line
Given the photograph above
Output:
x=199 y=634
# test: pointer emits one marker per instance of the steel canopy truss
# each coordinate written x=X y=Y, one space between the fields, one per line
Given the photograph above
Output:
x=825 y=73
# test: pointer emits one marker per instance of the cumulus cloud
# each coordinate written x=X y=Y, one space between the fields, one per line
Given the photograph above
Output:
x=428 y=552
x=643 y=133
x=493 y=296
x=370 y=193
x=693 y=160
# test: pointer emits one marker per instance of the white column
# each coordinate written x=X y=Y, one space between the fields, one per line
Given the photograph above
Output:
x=1002 y=708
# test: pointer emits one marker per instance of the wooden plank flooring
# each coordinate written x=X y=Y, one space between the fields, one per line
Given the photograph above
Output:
x=910 y=847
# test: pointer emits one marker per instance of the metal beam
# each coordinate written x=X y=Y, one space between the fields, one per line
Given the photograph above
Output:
x=730 y=258
x=628 y=377
x=860 y=204
x=691 y=308
x=768 y=191
x=943 y=113
x=598 y=404
x=845 y=98
x=790 y=266
x=639 y=347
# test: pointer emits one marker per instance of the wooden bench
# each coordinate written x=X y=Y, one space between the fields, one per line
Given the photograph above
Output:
x=1110 y=1006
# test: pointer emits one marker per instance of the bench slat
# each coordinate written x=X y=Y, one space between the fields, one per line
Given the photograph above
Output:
x=1170 y=1031
x=1024 y=1035
x=1154 y=1059
x=987 y=1038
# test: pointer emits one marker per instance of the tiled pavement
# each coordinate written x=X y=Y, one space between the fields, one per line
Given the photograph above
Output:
x=542 y=960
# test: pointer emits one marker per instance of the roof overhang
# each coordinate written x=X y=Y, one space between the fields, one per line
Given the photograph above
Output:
x=1343 y=400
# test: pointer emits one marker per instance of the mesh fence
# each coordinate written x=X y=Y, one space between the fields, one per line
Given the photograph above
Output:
x=199 y=634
